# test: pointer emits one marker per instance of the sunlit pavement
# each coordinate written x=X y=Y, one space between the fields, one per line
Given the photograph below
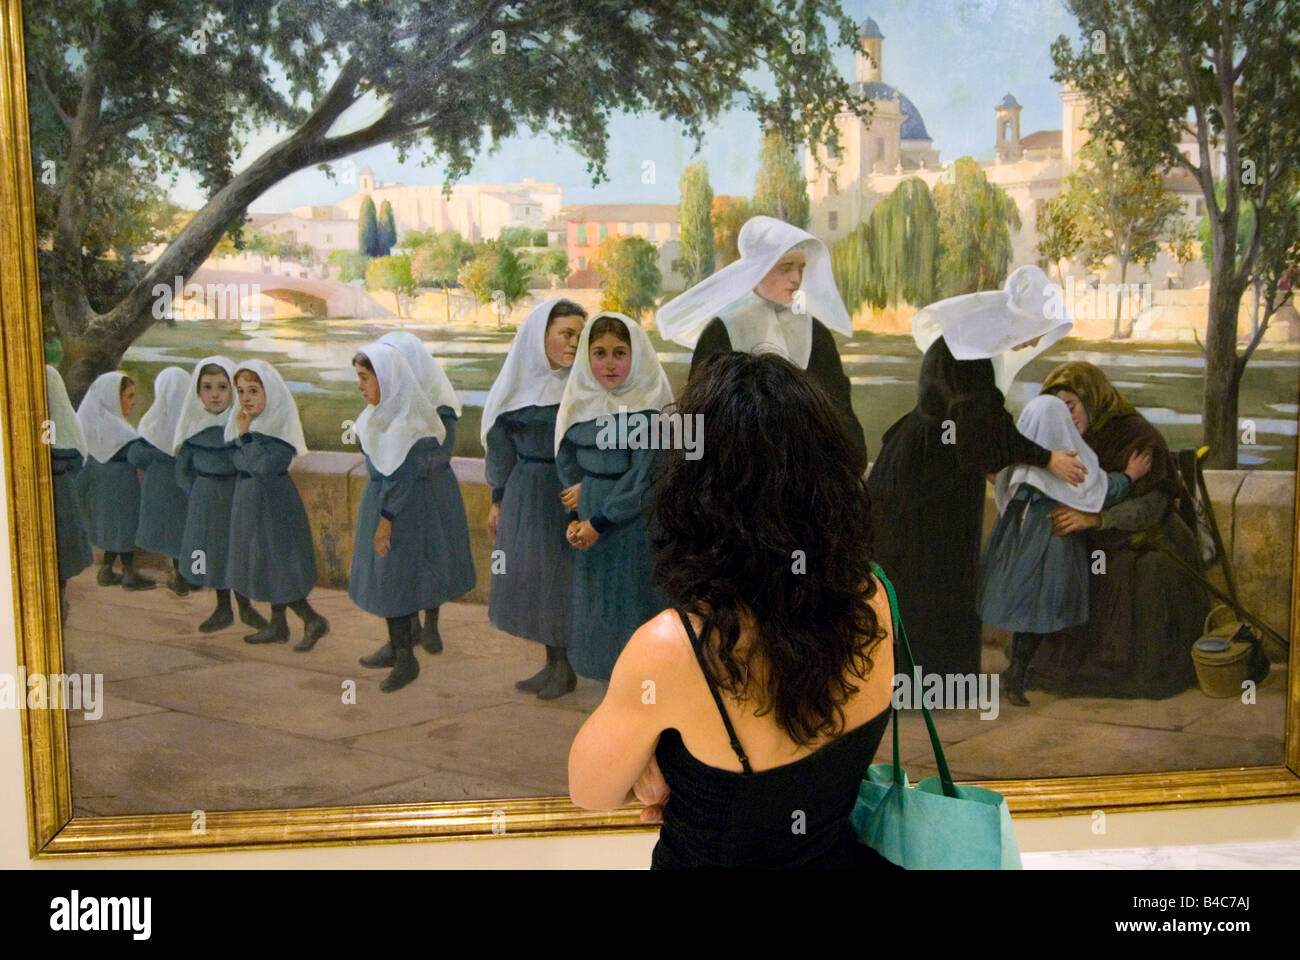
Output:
x=197 y=721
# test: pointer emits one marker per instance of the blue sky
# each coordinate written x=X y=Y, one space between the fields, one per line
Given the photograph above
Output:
x=955 y=59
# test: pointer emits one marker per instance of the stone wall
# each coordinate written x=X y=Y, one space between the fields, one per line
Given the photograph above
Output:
x=1255 y=511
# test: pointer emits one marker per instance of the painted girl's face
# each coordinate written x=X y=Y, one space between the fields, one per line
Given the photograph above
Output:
x=562 y=341
x=252 y=397
x=214 y=392
x=128 y=400
x=1078 y=412
x=783 y=280
x=611 y=360
x=367 y=384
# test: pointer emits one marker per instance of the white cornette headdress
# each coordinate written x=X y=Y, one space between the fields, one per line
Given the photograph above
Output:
x=586 y=398
x=404 y=415
x=526 y=378
x=158 y=425
x=428 y=371
x=100 y=415
x=280 y=417
x=753 y=323
x=989 y=323
x=1046 y=421
x=194 y=416
x=67 y=429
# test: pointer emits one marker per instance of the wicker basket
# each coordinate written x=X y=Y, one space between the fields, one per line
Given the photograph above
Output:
x=1222 y=663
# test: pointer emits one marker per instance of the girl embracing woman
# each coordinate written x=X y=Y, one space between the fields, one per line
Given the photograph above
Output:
x=108 y=483
x=455 y=567
x=205 y=467
x=615 y=372
x=397 y=541
x=271 y=554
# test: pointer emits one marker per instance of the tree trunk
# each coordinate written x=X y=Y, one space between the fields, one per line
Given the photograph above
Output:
x=1119 y=301
x=1219 y=417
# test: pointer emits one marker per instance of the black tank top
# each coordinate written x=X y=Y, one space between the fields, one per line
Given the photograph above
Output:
x=791 y=816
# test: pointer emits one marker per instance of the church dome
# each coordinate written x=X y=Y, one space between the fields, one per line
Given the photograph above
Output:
x=913 y=126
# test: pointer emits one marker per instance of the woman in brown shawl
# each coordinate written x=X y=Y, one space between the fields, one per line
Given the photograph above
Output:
x=1145 y=612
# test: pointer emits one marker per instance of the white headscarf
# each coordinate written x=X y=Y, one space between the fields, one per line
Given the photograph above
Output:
x=194 y=416
x=586 y=398
x=1046 y=421
x=100 y=415
x=989 y=323
x=67 y=429
x=526 y=378
x=158 y=425
x=404 y=415
x=279 y=418
x=428 y=371
x=756 y=324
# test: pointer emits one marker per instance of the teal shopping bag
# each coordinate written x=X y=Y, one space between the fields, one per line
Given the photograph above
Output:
x=936 y=825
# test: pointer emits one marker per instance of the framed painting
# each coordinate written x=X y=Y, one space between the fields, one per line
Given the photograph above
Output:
x=187 y=185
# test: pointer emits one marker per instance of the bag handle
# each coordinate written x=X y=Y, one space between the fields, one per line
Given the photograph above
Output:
x=900 y=633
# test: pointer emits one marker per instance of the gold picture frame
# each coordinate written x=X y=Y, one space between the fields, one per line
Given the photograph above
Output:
x=53 y=832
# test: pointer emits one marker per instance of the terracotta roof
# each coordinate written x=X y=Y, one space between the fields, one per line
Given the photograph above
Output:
x=1041 y=138
x=623 y=212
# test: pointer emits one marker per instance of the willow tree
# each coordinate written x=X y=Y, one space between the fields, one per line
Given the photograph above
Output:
x=893 y=257
x=976 y=220
x=155 y=88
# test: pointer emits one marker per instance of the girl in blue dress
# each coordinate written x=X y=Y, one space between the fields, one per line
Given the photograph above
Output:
x=615 y=373
x=108 y=482
x=1032 y=581
x=205 y=468
x=163 y=504
x=455 y=569
x=271 y=552
x=532 y=585
x=67 y=455
x=398 y=535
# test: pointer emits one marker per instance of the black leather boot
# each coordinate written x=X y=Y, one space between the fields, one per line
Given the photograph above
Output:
x=383 y=657
x=176 y=583
x=431 y=639
x=405 y=668
x=249 y=615
x=132 y=580
x=1023 y=648
x=538 y=679
x=106 y=576
x=562 y=680
x=277 y=631
x=221 y=617
x=314 y=626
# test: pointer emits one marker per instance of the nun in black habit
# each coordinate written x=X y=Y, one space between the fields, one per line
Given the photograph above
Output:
x=927 y=485
x=779 y=297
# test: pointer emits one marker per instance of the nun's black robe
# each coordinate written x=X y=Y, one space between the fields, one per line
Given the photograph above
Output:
x=927 y=499
x=823 y=366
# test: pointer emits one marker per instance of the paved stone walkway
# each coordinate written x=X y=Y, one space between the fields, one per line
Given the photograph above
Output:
x=207 y=722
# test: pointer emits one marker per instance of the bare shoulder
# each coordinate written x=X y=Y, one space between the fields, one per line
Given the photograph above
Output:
x=660 y=643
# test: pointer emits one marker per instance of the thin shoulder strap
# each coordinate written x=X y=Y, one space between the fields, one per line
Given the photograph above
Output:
x=731 y=731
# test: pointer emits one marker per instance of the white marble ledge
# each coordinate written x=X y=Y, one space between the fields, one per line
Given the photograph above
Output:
x=1271 y=855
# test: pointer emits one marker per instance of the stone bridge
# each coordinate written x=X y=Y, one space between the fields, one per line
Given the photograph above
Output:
x=226 y=294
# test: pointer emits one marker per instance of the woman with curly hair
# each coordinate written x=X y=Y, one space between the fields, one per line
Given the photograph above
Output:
x=751 y=708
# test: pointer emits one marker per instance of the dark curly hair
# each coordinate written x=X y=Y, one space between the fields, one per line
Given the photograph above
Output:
x=776 y=476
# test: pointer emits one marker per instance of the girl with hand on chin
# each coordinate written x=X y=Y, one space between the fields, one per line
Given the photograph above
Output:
x=271 y=553
x=398 y=534
x=205 y=468
x=527 y=521
x=108 y=483
x=615 y=372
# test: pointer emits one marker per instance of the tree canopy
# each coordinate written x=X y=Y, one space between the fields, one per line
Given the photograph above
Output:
x=150 y=88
